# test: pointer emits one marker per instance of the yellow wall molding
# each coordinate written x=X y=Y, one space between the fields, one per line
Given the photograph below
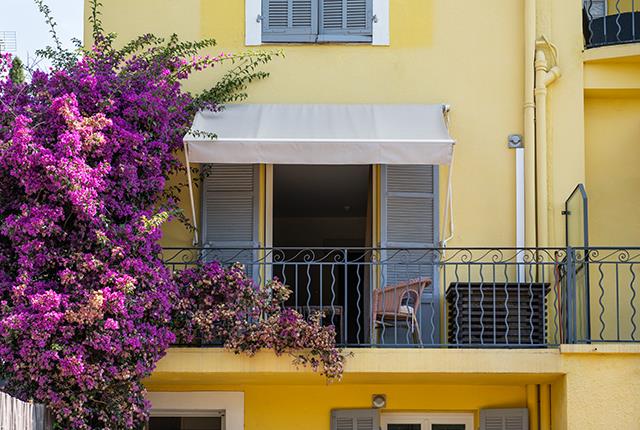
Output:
x=623 y=348
x=629 y=52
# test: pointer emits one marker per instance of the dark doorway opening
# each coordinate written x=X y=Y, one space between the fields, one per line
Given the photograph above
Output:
x=322 y=225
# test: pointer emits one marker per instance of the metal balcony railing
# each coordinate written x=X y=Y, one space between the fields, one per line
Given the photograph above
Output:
x=455 y=297
x=610 y=23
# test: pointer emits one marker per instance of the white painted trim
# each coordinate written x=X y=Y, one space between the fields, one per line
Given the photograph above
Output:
x=427 y=419
x=520 y=212
x=381 y=27
x=199 y=402
x=194 y=219
x=253 y=26
x=268 y=221
x=268 y=206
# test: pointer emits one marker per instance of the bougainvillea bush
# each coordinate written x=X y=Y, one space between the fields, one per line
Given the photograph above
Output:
x=86 y=150
x=86 y=304
x=222 y=305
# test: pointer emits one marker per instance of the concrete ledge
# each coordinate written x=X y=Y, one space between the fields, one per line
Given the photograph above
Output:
x=198 y=366
x=217 y=360
x=624 y=52
x=602 y=348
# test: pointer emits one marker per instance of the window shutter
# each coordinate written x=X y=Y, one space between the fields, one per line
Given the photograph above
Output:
x=504 y=419
x=409 y=212
x=289 y=20
x=230 y=212
x=355 y=419
x=345 y=21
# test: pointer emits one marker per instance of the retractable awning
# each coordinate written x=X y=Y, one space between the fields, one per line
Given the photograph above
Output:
x=321 y=134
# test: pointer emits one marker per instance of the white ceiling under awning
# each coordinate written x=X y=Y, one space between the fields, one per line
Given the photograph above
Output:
x=321 y=134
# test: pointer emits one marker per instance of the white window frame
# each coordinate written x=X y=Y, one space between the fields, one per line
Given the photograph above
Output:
x=253 y=22
x=189 y=414
x=228 y=404
x=427 y=419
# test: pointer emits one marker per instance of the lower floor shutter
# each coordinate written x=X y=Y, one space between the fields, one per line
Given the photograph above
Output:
x=230 y=213
x=504 y=419
x=355 y=419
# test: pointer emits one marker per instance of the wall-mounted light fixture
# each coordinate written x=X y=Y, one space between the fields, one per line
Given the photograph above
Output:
x=379 y=401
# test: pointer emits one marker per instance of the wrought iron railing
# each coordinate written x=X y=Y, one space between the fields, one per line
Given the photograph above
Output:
x=610 y=22
x=456 y=297
x=605 y=294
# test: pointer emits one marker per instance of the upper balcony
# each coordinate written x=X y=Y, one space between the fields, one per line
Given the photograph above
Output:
x=452 y=298
x=610 y=22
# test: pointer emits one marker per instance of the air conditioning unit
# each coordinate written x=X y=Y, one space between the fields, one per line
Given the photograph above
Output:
x=488 y=313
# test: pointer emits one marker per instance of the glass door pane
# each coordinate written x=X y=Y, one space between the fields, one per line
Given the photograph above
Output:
x=185 y=423
x=404 y=427
x=448 y=427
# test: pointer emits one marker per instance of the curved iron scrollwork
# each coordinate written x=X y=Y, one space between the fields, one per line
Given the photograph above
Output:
x=469 y=297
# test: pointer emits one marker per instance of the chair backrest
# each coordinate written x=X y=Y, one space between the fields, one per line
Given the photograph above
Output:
x=388 y=300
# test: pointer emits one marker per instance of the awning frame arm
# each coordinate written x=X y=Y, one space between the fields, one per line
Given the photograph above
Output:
x=191 y=198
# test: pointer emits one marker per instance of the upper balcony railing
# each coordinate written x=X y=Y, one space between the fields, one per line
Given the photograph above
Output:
x=462 y=297
x=610 y=22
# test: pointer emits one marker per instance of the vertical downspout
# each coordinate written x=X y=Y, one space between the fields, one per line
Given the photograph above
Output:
x=545 y=407
x=529 y=123
x=533 y=405
x=544 y=78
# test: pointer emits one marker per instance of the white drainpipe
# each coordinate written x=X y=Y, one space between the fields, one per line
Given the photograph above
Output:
x=515 y=142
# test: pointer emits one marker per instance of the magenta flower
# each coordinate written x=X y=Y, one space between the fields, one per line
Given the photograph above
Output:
x=86 y=151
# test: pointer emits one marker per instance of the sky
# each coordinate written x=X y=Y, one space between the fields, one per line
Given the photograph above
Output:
x=32 y=33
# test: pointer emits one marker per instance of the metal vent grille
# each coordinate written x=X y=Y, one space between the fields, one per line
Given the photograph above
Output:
x=8 y=41
x=488 y=313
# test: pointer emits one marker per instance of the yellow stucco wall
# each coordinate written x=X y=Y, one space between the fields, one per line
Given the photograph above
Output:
x=469 y=55
x=592 y=386
x=613 y=179
x=441 y=52
x=601 y=391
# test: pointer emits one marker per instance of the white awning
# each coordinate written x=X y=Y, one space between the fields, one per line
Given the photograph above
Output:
x=322 y=134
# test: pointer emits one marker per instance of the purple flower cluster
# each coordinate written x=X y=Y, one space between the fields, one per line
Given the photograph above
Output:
x=86 y=304
x=222 y=305
x=85 y=153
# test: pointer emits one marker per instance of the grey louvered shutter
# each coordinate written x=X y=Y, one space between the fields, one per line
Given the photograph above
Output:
x=409 y=225
x=355 y=419
x=409 y=220
x=230 y=213
x=345 y=21
x=504 y=419
x=289 y=20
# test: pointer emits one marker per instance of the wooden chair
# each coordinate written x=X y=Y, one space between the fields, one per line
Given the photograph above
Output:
x=398 y=304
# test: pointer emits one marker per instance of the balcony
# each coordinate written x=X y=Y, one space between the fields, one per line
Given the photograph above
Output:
x=451 y=298
x=616 y=24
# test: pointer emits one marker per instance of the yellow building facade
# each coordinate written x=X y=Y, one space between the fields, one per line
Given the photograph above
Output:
x=560 y=81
